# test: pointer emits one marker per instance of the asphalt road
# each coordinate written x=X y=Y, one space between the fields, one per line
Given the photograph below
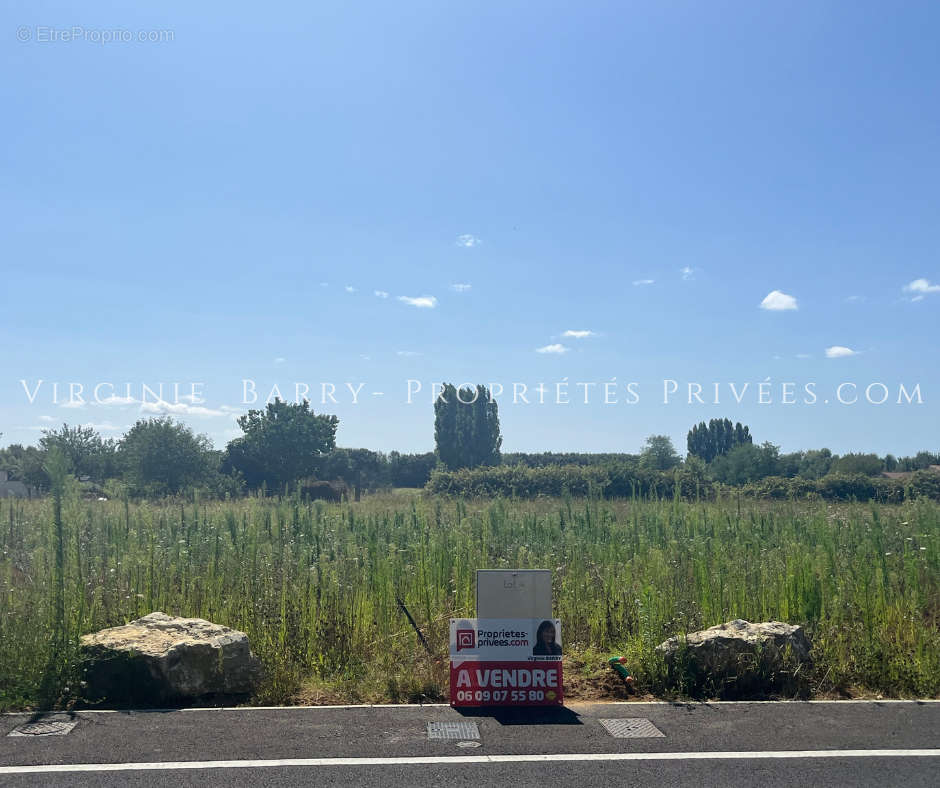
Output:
x=877 y=743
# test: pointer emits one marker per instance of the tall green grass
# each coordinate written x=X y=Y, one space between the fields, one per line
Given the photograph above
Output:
x=315 y=586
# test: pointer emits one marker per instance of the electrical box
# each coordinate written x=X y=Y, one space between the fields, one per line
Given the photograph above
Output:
x=514 y=593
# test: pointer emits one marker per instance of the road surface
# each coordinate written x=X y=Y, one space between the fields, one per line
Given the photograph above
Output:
x=721 y=744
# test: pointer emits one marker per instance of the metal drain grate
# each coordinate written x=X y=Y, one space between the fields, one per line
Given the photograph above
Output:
x=632 y=728
x=453 y=730
x=44 y=728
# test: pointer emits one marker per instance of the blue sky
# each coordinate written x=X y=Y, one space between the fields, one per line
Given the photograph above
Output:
x=225 y=204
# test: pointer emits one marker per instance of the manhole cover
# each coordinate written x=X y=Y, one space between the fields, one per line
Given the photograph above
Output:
x=44 y=728
x=469 y=744
x=453 y=730
x=632 y=728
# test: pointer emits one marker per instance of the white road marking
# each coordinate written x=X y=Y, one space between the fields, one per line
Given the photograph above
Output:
x=766 y=703
x=468 y=759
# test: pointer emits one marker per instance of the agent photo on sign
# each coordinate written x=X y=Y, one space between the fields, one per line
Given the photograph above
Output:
x=545 y=644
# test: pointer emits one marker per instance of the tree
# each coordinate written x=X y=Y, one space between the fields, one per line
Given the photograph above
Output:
x=357 y=467
x=486 y=439
x=716 y=438
x=920 y=461
x=659 y=453
x=25 y=464
x=446 y=440
x=747 y=463
x=815 y=463
x=466 y=427
x=788 y=465
x=410 y=470
x=281 y=444
x=866 y=464
x=695 y=469
x=84 y=449
x=164 y=457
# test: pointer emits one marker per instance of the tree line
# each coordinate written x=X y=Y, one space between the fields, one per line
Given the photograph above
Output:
x=285 y=445
x=281 y=446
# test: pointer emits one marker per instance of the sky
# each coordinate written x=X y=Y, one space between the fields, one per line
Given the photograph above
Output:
x=640 y=198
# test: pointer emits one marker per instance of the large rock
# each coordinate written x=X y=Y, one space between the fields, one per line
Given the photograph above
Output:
x=161 y=659
x=739 y=659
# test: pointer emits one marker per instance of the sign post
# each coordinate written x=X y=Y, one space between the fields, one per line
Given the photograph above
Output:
x=511 y=654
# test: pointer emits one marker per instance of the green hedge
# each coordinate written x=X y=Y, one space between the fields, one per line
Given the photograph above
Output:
x=612 y=481
x=624 y=481
x=849 y=487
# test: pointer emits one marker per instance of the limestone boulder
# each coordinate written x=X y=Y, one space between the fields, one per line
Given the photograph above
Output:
x=740 y=659
x=160 y=659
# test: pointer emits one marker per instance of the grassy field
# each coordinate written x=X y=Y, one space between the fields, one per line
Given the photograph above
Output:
x=315 y=586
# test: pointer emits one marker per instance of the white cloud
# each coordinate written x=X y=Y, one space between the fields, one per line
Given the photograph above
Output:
x=917 y=298
x=803 y=355
x=46 y=418
x=381 y=294
x=278 y=360
x=775 y=301
x=407 y=353
x=178 y=409
x=838 y=351
x=324 y=284
x=579 y=334
x=116 y=400
x=350 y=289
x=468 y=240
x=854 y=299
x=231 y=409
x=422 y=302
x=687 y=273
x=460 y=288
x=641 y=282
x=556 y=348
x=112 y=400
x=921 y=286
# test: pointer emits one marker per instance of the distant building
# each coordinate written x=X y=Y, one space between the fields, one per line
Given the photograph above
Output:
x=10 y=489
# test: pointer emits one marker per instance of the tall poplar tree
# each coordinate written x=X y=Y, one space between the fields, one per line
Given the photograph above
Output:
x=716 y=439
x=466 y=427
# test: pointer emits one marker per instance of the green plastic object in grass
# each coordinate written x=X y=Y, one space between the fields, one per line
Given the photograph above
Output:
x=617 y=664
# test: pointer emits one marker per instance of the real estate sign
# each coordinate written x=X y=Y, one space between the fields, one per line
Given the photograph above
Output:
x=505 y=662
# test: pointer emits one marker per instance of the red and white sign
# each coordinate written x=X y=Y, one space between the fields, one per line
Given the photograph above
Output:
x=484 y=683
x=505 y=662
